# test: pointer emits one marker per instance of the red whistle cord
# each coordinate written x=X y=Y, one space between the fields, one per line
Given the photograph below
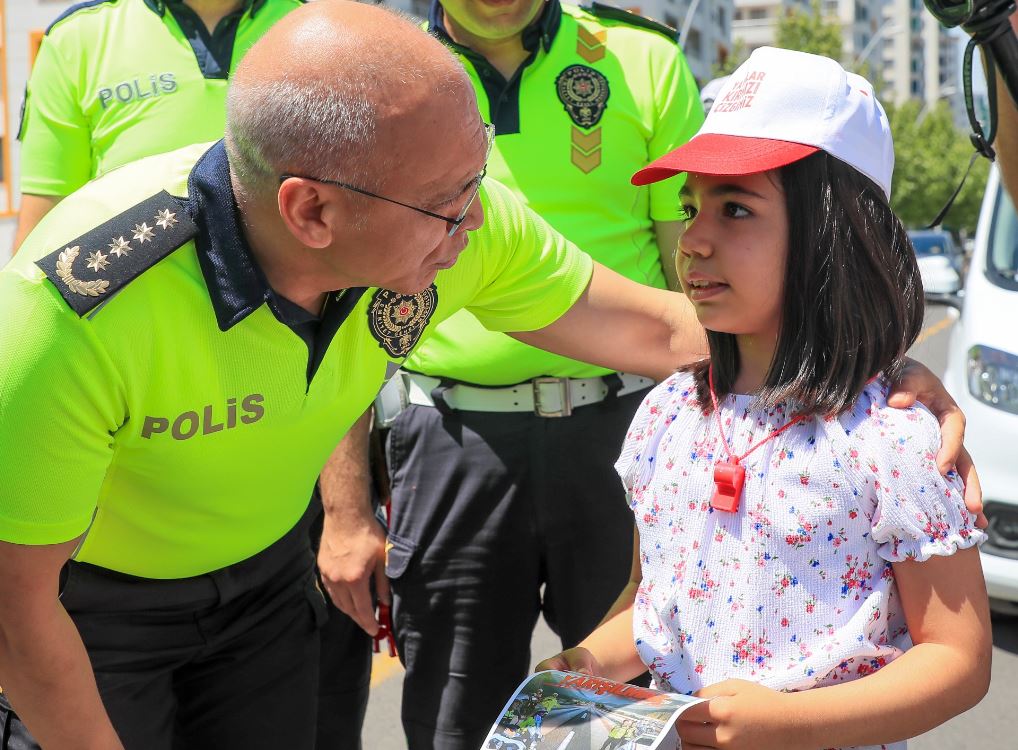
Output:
x=729 y=476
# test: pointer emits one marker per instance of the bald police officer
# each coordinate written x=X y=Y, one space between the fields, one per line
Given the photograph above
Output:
x=114 y=82
x=185 y=340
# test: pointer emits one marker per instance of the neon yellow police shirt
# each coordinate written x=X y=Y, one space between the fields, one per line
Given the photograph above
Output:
x=118 y=80
x=167 y=410
x=601 y=98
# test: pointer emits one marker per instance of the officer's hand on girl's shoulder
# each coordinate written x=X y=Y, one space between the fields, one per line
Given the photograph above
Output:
x=576 y=659
x=918 y=383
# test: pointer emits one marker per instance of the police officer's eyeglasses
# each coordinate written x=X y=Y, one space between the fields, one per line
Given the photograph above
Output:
x=453 y=224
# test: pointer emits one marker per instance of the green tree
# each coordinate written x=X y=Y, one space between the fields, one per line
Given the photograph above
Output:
x=931 y=155
x=810 y=31
x=734 y=59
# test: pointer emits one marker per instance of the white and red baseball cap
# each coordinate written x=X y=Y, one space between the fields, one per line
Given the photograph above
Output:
x=781 y=106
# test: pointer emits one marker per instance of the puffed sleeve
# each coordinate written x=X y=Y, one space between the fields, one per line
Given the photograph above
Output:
x=918 y=512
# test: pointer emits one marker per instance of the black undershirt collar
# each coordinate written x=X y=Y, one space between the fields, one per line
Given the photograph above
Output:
x=236 y=285
x=503 y=96
x=213 y=52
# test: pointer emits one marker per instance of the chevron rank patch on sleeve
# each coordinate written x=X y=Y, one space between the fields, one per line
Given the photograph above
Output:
x=89 y=269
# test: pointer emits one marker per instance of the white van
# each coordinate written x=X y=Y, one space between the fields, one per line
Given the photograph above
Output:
x=982 y=375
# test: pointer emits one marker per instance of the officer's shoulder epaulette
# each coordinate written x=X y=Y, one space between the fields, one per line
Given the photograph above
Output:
x=88 y=270
x=74 y=9
x=612 y=13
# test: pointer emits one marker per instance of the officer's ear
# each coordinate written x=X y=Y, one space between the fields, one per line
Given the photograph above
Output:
x=309 y=211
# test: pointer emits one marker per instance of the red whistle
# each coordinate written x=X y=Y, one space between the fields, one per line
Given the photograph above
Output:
x=728 y=480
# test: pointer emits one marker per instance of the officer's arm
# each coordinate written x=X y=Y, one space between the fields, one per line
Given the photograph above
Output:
x=1007 y=132
x=667 y=234
x=45 y=671
x=626 y=326
x=55 y=134
x=33 y=209
x=353 y=542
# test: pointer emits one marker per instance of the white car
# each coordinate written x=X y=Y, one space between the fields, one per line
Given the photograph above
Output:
x=982 y=375
x=939 y=259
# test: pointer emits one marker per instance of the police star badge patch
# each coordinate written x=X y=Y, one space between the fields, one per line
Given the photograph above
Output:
x=584 y=92
x=398 y=320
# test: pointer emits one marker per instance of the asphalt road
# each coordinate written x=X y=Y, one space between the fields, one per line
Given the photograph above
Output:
x=988 y=726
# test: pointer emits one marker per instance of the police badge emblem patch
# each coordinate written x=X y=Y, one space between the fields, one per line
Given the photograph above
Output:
x=398 y=320
x=583 y=92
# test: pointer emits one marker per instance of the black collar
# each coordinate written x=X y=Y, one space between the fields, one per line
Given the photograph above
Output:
x=237 y=287
x=159 y=6
x=236 y=284
x=543 y=30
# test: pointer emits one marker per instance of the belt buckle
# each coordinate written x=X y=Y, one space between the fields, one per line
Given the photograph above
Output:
x=565 y=405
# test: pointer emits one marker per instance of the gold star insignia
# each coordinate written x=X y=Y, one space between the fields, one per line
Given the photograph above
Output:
x=120 y=247
x=165 y=219
x=97 y=261
x=143 y=232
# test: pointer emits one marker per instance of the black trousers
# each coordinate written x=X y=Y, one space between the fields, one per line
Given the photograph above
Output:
x=487 y=508
x=344 y=673
x=219 y=661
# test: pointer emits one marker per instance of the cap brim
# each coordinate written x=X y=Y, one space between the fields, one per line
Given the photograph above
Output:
x=711 y=153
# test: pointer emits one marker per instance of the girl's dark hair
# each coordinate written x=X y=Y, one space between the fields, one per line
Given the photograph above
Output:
x=852 y=302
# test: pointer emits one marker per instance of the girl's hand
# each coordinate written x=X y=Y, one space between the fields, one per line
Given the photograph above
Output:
x=740 y=715
x=918 y=383
x=576 y=659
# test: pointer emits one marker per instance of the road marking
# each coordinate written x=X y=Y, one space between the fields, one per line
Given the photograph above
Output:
x=934 y=329
x=566 y=741
x=383 y=667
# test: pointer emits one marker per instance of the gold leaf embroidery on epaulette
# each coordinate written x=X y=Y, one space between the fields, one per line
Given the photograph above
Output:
x=65 y=262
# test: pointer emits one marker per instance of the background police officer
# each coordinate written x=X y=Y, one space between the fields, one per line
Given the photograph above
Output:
x=1007 y=133
x=117 y=81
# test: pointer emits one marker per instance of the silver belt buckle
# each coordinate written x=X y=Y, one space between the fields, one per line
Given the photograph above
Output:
x=565 y=405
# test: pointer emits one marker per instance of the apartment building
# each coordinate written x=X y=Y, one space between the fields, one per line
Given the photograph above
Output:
x=704 y=26
x=756 y=21
x=863 y=30
x=920 y=56
x=896 y=42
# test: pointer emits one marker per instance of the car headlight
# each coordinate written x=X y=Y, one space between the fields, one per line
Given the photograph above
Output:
x=993 y=377
x=1002 y=530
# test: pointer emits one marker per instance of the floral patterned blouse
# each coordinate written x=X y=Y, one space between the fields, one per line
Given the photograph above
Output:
x=795 y=589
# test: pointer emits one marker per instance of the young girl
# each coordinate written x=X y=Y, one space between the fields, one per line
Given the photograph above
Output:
x=800 y=560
